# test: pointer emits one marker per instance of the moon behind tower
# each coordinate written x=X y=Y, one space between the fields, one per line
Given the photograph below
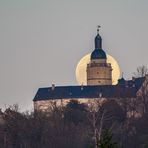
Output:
x=81 y=76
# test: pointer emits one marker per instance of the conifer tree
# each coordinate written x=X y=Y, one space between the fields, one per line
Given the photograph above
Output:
x=106 y=141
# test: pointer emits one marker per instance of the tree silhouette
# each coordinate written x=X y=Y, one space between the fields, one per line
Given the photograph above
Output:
x=106 y=140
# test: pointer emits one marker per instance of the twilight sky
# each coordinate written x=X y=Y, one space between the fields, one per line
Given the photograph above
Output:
x=41 y=41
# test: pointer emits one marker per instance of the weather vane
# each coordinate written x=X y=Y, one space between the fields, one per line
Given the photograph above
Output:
x=98 y=28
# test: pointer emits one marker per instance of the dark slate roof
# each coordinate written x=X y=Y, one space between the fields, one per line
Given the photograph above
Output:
x=108 y=91
x=98 y=54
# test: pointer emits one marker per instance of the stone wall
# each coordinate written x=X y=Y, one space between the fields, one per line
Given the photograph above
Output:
x=99 y=73
x=46 y=105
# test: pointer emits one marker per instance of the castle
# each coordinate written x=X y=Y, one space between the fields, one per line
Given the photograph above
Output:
x=99 y=83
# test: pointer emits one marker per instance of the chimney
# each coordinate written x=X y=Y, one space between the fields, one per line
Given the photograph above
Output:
x=53 y=87
x=133 y=78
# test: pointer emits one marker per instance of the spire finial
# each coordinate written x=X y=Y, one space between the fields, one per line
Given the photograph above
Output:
x=98 y=39
x=98 y=29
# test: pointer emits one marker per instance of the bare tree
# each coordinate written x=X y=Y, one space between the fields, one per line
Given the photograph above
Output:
x=142 y=94
x=97 y=119
x=141 y=71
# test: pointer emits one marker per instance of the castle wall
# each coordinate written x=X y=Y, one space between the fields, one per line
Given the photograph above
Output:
x=46 y=105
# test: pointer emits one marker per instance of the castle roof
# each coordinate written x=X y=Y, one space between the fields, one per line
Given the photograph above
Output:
x=128 y=90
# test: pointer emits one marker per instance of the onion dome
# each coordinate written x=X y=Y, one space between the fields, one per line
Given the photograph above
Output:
x=98 y=53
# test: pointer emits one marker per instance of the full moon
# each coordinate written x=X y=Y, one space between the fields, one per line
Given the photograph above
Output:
x=81 y=76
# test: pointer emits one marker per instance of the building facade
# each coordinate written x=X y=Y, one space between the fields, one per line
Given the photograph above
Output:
x=99 y=84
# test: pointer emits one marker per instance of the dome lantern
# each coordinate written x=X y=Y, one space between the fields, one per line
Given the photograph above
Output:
x=98 y=53
x=98 y=40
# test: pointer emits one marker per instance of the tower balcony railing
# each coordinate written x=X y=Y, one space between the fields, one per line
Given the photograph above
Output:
x=98 y=65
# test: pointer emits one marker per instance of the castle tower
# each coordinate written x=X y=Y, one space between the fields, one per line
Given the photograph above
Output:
x=99 y=72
